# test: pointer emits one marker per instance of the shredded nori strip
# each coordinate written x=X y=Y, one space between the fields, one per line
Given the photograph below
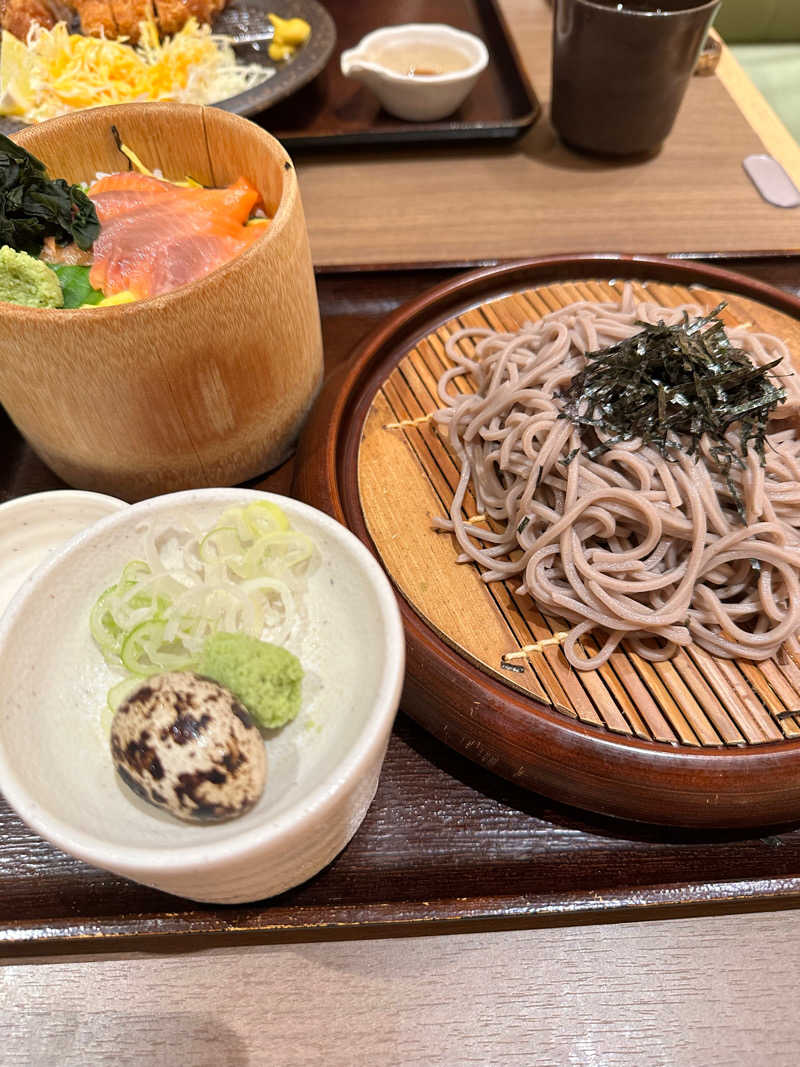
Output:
x=119 y=142
x=670 y=385
x=512 y=667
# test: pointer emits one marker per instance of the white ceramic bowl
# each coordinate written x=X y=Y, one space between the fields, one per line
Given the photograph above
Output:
x=417 y=99
x=55 y=764
x=33 y=527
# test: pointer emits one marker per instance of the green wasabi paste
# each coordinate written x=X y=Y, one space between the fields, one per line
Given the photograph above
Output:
x=265 y=678
x=28 y=281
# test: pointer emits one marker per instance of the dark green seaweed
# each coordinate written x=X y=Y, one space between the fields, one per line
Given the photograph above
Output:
x=33 y=207
x=670 y=385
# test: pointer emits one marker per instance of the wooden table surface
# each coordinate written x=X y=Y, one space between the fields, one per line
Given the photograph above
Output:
x=716 y=992
x=706 y=990
x=456 y=204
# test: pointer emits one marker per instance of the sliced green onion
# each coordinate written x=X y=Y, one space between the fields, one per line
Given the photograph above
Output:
x=121 y=691
x=220 y=542
x=104 y=629
x=243 y=575
x=135 y=571
x=264 y=517
x=144 y=651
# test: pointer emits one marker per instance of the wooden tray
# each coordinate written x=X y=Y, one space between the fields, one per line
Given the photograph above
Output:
x=446 y=845
x=334 y=111
x=695 y=741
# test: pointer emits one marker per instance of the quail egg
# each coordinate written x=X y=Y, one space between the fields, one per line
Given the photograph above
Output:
x=184 y=743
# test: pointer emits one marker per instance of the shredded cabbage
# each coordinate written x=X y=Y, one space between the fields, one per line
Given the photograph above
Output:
x=246 y=575
x=55 y=72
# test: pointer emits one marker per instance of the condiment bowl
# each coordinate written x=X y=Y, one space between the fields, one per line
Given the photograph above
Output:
x=202 y=386
x=35 y=526
x=417 y=98
x=55 y=762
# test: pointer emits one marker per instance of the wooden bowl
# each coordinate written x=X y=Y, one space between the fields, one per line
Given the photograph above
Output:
x=205 y=386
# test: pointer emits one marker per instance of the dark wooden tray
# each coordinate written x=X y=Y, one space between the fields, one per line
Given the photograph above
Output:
x=445 y=844
x=334 y=111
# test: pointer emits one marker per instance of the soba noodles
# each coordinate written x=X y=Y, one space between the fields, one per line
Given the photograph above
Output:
x=628 y=546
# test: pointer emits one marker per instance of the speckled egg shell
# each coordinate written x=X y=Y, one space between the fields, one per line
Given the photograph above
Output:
x=184 y=743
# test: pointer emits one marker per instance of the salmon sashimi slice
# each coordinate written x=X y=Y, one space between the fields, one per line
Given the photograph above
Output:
x=237 y=200
x=70 y=255
x=156 y=236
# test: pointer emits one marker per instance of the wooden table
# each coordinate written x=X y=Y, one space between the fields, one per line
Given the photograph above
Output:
x=709 y=988
x=456 y=204
x=688 y=993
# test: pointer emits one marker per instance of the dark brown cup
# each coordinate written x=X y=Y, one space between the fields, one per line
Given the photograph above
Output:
x=620 y=70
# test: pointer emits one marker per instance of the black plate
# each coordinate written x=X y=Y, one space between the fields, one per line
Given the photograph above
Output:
x=289 y=76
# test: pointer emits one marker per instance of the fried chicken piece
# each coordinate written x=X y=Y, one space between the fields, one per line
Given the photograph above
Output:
x=106 y=18
x=17 y=16
x=128 y=14
x=97 y=18
x=174 y=14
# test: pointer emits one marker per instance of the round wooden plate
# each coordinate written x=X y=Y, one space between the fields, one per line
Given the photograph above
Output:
x=697 y=741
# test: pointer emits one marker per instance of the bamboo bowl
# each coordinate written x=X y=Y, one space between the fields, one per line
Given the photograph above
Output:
x=207 y=385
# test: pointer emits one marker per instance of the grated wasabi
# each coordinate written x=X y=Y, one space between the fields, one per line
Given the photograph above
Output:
x=264 y=677
x=28 y=281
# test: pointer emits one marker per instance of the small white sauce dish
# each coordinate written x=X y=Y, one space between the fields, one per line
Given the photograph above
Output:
x=417 y=97
x=56 y=768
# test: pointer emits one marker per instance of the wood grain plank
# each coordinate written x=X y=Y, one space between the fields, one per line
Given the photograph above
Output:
x=517 y=997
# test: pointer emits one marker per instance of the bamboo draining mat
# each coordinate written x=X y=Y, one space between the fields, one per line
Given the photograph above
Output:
x=474 y=203
x=407 y=474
